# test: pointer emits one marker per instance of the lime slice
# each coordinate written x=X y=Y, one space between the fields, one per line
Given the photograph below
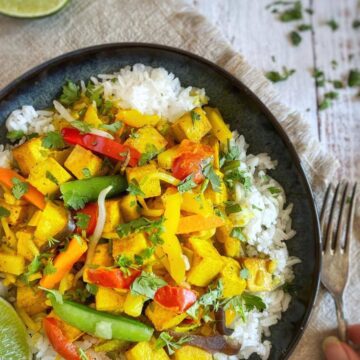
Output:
x=30 y=8
x=13 y=336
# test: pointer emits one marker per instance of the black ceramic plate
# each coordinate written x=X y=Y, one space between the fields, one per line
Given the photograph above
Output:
x=245 y=113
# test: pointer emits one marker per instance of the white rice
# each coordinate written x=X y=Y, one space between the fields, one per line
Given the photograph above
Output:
x=156 y=91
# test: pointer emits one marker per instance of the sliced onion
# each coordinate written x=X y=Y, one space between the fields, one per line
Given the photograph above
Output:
x=101 y=133
x=63 y=111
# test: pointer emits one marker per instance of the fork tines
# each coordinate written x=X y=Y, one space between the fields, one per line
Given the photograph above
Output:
x=337 y=217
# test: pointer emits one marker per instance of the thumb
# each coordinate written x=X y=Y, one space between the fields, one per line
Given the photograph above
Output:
x=336 y=350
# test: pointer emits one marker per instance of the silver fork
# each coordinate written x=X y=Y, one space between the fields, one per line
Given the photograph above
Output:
x=336 y=227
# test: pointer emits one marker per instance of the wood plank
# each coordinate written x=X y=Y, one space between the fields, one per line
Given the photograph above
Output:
x=258 y=35
x=339 y=126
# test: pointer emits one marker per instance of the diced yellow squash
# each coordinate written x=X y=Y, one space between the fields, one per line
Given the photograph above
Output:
x=133 y=304
x=31 y=299
x=129 y=246
x=91 y=116
x=207 y=262
x=129 y=208
x=230 y=315
x=71 y=333
x=25 y=244
x=163 y=318
x=107 y=299
x=12 y=264
x=102 y=255
x=144 y=175
x=9 y=239
x=167 y=157
x=18 y=213
x=193 y=125
x=232 y=246
x=219 y=128
x=30 y=153
x=136 y=119
x=232 y=282
x=217 y=197
x=83 y=163
x=113 y=215
x=188 y=352
x=260 y=279
x=145 y=139
x=196 y=203
x=146 y=351
x=53 y=220
x=47 y=175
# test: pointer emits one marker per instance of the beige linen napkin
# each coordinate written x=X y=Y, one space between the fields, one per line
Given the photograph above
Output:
x=26 y=43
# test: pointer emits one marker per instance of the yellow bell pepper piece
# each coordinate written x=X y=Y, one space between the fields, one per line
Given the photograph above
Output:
x=219 y=127
x=91 y=117
x=136 y=119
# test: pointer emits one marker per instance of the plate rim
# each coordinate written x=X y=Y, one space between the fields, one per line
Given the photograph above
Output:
x=68 y=56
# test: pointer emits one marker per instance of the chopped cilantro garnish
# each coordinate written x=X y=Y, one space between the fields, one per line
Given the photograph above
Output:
x=92 y=288
x=81 y=126
x=338 y=84
x=53 y=293
x=332 y=24
x=144 y=255
x=274 y=190
x=356 y=24
x=20 y=188
x=134 y=188
x=114 y=127
x=214 y=179
x=74 y=200
x=82 y=220
x=244 y=273
x=150 y=152
x=187 y=184
x=232 y=207
x=354 y=78
x=165 y=339
x=295 y=38
x=94 y=93
x=276 y=76
x=4 y=212
x=237 y=233
x=51 y=177
x=194 y=116
x=70 y=93
x=304 y=27
x=15 y=135
x=292 y=14
x=125 y=263
x=53 y=140
x=49 y=268
x=319 y=77
x=147 y=284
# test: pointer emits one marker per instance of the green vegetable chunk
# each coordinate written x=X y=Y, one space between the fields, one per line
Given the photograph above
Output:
x=79 y=192
x=94 y=322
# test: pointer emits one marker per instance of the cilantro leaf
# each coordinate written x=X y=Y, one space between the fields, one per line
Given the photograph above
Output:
x=92 y=288
x=165 y=339
x=125 y=263
x=253 y=302
x=187 y=184
x=147 y=284
x=214 y=179
x=292 y=14
x=356 y=24
x=49 y=268
x=74 y=200
x=194 y=116
x=51 y=177
x=81 y=126
x=274 y=190
x=150 y=152
x=94 y=93
x=114 y=127
x=275 y=76
x=319 y=77
x=20 y=188
x=237 y=233
x=134 y=188
x=304 y=27
x=54 y=294
x=232 y=207
x=145 y=254
x=244 y=273
x=4 y=212
x=332 y=24
x=295 y=38
x=354 y=78
x=82 y=220
x=338 y=84
x=70 y=93
x=15 y=135
x=53 y=140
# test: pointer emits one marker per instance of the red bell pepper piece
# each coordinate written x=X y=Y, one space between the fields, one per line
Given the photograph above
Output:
x=91 y=210
x=58 y=340
x=175 y=298
x=189 y=161
x=101 y=145
x=112 y=278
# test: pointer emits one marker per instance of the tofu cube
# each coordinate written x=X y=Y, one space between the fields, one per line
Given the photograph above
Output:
x=232 y=246
x=29 y=154
x=12 y=264
x=230 y=274
x=80 y=159
x=107 y=299
x=191 y=352
x=146 y=351
x=102 y=256
x=193 y=125
x=113 y=215
x=147 y=139
x=54 y=218
x=207 y=262
x=47 y=176
x=163 y=318
x=143 y=175
x=18 y=213
x=260 y=278
x=133 y=304
x=25 y=244
x=32 y=300
x=129 y=246
x=129 y=208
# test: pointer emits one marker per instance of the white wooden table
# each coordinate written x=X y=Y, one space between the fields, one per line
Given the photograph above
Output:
x=256 y=33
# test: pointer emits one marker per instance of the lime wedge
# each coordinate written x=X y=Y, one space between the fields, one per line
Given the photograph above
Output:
x=30 y=8
x=13 y=336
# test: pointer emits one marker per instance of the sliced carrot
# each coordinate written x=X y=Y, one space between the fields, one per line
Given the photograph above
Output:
x=193 y=223
x=64 y=262
x=33 y=195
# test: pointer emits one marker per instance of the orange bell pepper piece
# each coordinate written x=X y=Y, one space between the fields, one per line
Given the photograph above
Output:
x=33 y=195
x=64 y=262
x=193 y=223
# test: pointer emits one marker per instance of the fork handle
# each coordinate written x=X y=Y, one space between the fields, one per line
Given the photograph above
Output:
x=340 y=318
